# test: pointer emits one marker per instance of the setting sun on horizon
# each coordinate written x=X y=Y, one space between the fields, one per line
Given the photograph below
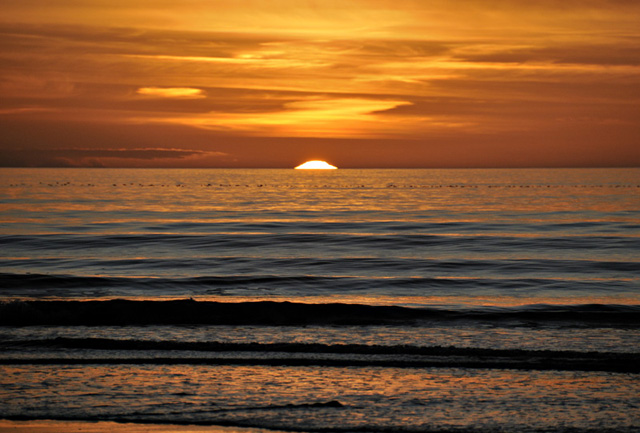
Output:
x=316 y=165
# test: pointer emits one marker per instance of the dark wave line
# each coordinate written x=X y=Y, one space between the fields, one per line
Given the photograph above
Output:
x=514 y=266
x=334 y=240
x=309 y=348
x=130 y=312
x=330 y=185
x=381 y=227
x=320 y=404
x=14 y=282
x=614 y=364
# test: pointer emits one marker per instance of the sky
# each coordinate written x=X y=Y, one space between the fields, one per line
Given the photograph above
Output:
x=358 y=83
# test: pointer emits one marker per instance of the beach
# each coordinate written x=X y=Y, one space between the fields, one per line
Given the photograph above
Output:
x=47 y=426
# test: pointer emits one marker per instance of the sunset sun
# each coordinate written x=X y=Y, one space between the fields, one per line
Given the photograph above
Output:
x=316 y=165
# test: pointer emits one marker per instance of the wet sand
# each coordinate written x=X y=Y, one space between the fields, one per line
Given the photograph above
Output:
x=50 y=426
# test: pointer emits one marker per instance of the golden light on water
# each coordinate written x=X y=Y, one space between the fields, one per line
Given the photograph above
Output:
x=316 y=165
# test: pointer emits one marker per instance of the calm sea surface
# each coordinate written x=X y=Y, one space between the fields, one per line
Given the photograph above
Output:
x=343 y=300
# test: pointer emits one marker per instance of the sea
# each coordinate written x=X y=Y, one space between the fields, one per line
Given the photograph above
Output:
x=432 y=300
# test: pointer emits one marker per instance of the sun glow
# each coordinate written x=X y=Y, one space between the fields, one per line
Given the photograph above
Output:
x=316 y=165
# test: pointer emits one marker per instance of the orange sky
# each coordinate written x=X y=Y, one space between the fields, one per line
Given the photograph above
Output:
x=359 y=83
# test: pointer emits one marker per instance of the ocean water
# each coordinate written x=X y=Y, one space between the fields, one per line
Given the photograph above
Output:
x=342 y=301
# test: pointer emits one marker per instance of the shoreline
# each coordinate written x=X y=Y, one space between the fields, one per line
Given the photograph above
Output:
x=55 y=426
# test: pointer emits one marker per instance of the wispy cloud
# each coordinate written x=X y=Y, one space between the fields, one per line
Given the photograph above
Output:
x=329 y=117
x=102 y=157
x=172 y=92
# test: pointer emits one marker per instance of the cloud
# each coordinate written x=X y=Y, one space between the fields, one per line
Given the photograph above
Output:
x=127 y=153
x=83 y=157
x=619 y=53
x=313 y=117
x=172 y=92
x=25 y=110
